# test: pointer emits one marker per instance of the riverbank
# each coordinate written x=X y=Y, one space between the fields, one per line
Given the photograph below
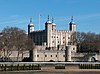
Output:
x=50 y=66
x=72 y=70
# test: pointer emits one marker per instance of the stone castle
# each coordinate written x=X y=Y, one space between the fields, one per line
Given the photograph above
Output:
x=51 y=44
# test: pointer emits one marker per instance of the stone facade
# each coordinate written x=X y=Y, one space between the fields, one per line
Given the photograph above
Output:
x=51 y=43
x=51 y=37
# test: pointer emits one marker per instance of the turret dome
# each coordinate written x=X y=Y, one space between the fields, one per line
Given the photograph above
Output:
x=72 y=21
x=72 y=25
x=53 y=24
x=48 y=21
x=31 y=24
x=53 y=21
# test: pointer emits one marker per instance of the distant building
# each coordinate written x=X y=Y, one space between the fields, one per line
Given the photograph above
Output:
x=51 y=43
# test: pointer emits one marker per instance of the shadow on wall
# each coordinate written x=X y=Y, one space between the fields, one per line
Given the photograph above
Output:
x=27 y=59
x=5 y=59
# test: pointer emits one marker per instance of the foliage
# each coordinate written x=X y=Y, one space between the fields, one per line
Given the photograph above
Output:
x=60 y=67
x=11 y=67
x=89 y=66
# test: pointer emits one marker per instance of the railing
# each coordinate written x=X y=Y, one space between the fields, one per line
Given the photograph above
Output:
x=49 y=62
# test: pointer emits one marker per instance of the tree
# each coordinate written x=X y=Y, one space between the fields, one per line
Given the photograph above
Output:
x=14 y=38
x=80 y=37
x=88 y=42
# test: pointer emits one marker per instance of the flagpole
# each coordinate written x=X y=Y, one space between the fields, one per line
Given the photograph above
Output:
x=39 y=21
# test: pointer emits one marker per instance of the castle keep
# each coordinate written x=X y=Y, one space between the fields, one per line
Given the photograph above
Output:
x=51 y=44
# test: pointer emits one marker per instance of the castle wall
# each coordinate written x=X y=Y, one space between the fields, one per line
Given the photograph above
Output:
x=53 y=41
x=50 y=55
x=60 y=37
x=54 y=55
x=39 y=37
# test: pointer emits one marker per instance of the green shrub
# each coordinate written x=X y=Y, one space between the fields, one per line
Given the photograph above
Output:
x=59 y=67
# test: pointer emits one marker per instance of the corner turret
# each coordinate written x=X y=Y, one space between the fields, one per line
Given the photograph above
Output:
x=30 y=26
x=72 y=25
x=48 y=24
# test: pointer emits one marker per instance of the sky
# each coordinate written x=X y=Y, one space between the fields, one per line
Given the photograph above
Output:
x=17 y=13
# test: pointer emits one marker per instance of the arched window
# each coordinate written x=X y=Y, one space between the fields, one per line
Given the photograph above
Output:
x=93 y=59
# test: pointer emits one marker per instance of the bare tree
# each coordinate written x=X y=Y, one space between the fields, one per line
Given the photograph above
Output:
x=15 y=39
x=88 y=42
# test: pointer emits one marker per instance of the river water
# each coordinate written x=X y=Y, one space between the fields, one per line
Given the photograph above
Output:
x=49 y=72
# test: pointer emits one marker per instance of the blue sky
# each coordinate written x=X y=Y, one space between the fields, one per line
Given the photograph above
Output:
x=16 y=13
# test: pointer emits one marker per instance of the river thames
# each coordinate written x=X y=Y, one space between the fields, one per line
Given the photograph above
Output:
x=49 y=72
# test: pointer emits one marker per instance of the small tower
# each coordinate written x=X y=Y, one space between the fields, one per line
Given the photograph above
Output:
x=48 y=21
x=48 y=28
x=72 y=25
x=48 y=24
x=30 y=26
x=68 y=53
x=53 y=24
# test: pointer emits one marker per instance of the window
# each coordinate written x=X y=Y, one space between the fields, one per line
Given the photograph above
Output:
x=56 y=55
x=68 y=43
x=51 y=55
x=45 y=55
x=58 y=41
x=68 y=37
x=63 y=55
x=73 y=48
x=37 y=55
x=63 y=37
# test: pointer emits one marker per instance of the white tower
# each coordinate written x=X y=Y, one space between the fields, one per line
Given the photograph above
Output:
x=30 y=26
x=72 y=25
